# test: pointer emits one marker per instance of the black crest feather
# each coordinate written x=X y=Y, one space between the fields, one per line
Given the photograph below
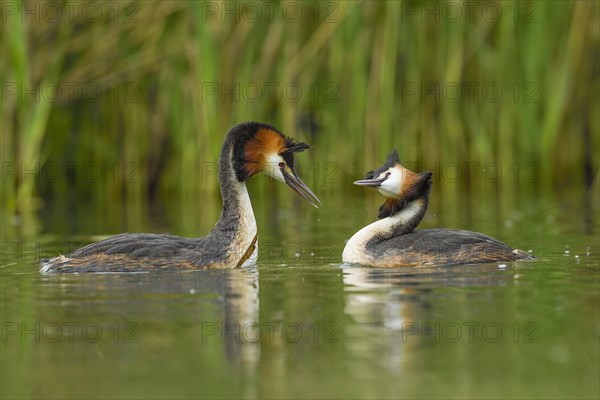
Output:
x=293 y=145
x=392 y=159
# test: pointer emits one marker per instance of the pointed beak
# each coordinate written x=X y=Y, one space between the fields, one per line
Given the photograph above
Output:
x=374 y=183
x=293 y=181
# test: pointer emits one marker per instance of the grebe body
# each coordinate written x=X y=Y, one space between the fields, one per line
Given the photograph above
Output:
x=248 y=149
x=393 y=241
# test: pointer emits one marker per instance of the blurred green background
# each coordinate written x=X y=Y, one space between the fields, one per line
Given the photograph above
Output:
x=113 y=114
x=121 y=105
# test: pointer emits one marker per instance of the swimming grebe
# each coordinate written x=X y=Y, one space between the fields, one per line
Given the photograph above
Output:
x=393 y=242
x=249 y=148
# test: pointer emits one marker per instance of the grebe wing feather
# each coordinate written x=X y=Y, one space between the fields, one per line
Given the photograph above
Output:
x=138 y=245
x=442 y=247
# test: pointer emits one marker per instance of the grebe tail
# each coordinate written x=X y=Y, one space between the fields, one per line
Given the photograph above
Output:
x=393 y=241
x=248 y=148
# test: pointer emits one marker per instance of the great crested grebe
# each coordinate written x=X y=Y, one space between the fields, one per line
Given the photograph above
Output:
x=393 y=242
x=249 y=148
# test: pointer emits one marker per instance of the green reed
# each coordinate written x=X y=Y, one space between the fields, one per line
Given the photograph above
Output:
x=174 y=76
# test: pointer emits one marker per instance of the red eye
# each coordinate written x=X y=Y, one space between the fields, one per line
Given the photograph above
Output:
x=281 y=165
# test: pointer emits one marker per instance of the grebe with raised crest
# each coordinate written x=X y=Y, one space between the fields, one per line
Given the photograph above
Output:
x=249 y=148
x=393 y=241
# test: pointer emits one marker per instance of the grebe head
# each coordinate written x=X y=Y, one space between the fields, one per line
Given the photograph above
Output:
x=398 y=184
x=260 y=147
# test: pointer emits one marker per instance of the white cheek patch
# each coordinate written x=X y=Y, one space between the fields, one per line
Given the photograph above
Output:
x=392 y=186
x=271 y=166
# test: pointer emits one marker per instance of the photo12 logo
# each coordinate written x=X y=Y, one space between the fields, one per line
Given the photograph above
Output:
x=52 y=172
x=258 y=92
x=470 y=11
x=478 y=171
x=469 y=92
x=269 y=11
x=67 y=92
x=36 y=11
x=469 y=331
x=252 y=332
x=69 y=331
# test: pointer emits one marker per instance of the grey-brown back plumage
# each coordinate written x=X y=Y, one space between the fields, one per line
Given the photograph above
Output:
x=443 y=247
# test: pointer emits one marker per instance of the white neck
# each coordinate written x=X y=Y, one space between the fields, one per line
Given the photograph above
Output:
x=385 y=228
x=247 y=223
x=247 y=219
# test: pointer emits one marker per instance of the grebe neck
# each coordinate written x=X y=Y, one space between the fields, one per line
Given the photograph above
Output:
x=237 y=215
x=402 y=222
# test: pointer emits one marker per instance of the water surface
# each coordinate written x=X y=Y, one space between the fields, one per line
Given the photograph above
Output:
x=300 y=325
